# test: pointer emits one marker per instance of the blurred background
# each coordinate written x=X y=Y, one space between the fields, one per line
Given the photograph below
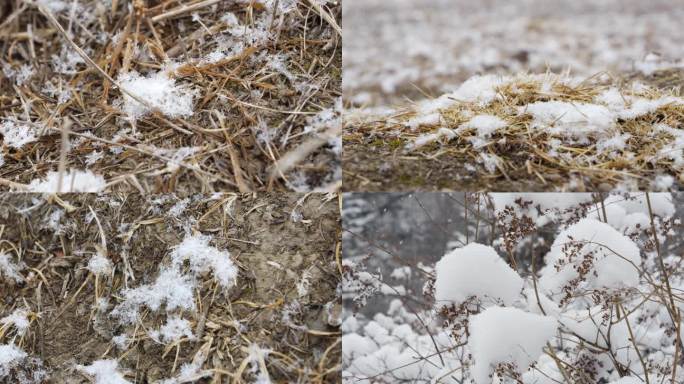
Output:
x=398 y=237
x=409 y=49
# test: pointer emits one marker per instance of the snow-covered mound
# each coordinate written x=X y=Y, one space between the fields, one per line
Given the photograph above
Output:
x=590 y=255
x=594 y=296
x=507 y=335
x=475 y=270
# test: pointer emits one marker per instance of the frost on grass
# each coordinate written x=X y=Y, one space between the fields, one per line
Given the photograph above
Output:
x=257 y=360
x=160 y=91
x=16 y=134
x=18 y=319
x=475 y=270
x=507 y=336
x=104 y=372
x=9 y=269
x=73 y=180
x=99 y=264
x=10 y=357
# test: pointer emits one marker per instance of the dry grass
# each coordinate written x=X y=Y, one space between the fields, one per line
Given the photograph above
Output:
x=266 y=308
x=528 y=158
x=238 y=98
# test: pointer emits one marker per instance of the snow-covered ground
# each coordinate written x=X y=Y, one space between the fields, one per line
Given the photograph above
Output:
x=437 y=44
x=127 y=289
x=529 y=288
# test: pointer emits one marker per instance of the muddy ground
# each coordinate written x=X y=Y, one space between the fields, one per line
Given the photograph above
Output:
x=278 y=241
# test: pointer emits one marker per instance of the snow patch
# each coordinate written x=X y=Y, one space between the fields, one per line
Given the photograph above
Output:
x=10 y=357
x=104 y=372
x=174 y=329
x=72 y=181
x=204 y=258
x=160 y=91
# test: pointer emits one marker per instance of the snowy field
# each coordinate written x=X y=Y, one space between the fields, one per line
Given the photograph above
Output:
x=513 y=96
x=513 y=288
x=217 y=288
x=394 y=48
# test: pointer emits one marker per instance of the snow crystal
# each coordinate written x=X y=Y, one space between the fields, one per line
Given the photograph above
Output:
x=104 y=372
x=174 y=329
x=613 y=258
x=18 y=318
x=21 y=75
x=16 y=135
x=160 y=91
x=67 y=61
x=485 y=125
x=10 y=357
x=170 y=287
x=99 y=264
x=478 y=89
x=203 y=258
x=9 y=269
x=54 y=220
x=507 y=335
x=176 y=156
x=177 y=209
x=72 y=181
x=325 y=118
x=572 y=120
x=475 y=270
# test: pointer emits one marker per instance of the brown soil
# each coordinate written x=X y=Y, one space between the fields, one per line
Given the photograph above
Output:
x=273 y=253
